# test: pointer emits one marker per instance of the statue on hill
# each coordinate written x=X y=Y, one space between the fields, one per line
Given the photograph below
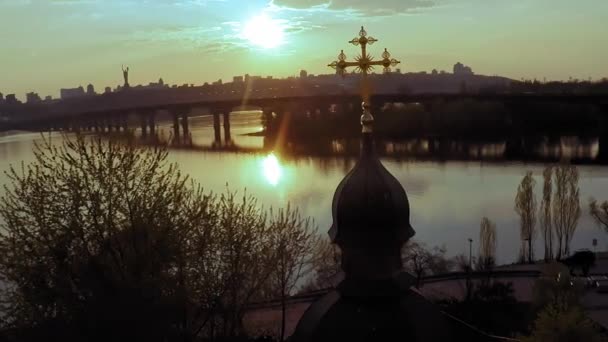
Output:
x=125 y=75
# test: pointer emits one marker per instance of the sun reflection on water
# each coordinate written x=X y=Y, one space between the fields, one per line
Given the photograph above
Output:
x=272 y=169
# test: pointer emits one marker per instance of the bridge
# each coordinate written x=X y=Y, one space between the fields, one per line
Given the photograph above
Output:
x=121 y=111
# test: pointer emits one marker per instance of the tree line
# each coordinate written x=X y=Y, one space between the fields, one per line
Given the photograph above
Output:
x=101 y=240
x=558 y=214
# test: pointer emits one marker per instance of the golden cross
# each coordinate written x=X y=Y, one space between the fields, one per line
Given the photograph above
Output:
x=364 y=62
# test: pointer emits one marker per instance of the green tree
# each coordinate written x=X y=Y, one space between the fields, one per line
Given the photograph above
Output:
x=562 y=322
x=556 y=295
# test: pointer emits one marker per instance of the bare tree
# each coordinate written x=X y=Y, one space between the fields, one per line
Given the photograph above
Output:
x=545 y=213
x=101 y=231
x=246 y=257
x=326 y=266
x=487 y=245
x=525 y=206
x=566 y=207
x=293 y=240
x=599 y=212
x=422 y=261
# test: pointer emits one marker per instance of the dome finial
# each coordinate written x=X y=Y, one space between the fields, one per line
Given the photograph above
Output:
x=367 y=119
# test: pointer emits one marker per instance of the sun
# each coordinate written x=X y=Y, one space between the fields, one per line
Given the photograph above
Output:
x=264 y=31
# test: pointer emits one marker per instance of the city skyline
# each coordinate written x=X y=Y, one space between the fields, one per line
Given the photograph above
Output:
x=77 y=42
x=87 y=88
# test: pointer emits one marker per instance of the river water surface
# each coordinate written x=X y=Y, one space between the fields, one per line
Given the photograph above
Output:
x=448 y=199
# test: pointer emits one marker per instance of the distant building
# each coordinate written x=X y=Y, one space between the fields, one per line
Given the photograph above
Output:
x=70 y=93
x=11 y=99
x=156 y=85
x=108 y=90
x=218 y=82
x=1 y=98
x=90 y=90
x=461 y=69
x=32 y=98
x=237 y=79
x=303 y=73
x=48 y=98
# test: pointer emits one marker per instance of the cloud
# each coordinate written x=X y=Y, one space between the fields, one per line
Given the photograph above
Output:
x=358 y=7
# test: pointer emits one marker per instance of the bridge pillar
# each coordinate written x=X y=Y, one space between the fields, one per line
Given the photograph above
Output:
x=176 y=128
x=152 y=124
x=268 y=121
x=227 y=136
x=124 y=121
x=116 y=125
x=216 y=129
x=185 y=127
x=144 y=127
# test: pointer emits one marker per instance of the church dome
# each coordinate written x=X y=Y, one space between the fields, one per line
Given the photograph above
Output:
x=370 y=203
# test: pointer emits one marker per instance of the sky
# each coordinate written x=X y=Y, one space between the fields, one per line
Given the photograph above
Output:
x=49 y=44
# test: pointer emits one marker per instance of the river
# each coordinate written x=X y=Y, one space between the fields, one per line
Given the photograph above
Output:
x=448 y=199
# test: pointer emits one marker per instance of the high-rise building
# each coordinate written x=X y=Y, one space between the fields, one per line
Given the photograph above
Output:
x=237 y=79
x=90 y=90
x=32 y=98
x=461 y=69
x=11 y=99
x=69 y=93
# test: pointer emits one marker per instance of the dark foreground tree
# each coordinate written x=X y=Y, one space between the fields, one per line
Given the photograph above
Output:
x=325 y=266
x=105 y=241
x=293 y=242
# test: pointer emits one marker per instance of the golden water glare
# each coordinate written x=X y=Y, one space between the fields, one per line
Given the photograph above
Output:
x=272 y=170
